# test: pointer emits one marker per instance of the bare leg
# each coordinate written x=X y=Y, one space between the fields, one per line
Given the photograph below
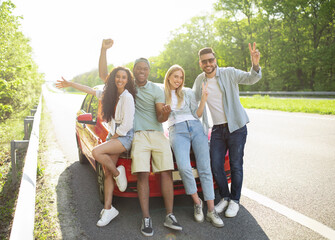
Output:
x=210 y=205
x=109 y=184
x=196 y=198
x=143 y=192
x=167 y=190
x=102 y=153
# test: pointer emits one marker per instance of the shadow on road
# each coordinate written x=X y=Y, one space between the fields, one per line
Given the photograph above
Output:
x=85 y=200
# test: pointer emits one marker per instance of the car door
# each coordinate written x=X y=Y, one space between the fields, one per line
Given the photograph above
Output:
x=87 y=132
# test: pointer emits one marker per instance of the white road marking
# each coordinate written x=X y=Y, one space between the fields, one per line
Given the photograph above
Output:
x=291 y=214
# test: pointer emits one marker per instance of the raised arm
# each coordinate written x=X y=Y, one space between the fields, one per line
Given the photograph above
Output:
x=103 y=70
x=63 y=83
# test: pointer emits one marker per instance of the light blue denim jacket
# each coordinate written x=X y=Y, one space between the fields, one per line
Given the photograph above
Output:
x=191 y=106
x=228 y=80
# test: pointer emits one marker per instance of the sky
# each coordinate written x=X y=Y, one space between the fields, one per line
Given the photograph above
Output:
x=66 y=35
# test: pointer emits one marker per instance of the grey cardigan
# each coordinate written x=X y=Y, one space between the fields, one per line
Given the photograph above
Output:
x=228 y=80
x=191 y=106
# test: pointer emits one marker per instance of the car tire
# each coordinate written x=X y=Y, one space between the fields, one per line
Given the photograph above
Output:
x=81 y=156
x=101 y=182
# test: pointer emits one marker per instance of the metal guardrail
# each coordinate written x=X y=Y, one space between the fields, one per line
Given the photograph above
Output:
x=280 y=93
x=14 y=145
x=23 y=224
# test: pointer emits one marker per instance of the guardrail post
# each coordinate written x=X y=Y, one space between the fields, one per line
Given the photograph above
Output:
x=33 y=111
x=28 y=121
x=14 y=145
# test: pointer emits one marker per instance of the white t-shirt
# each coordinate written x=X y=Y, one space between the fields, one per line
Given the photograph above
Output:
x=178 y=117
x=215 y=102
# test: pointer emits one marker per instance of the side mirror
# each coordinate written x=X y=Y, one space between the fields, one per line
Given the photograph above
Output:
x=86 y=118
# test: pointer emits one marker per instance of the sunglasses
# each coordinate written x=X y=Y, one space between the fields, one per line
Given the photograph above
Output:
x=205 y=61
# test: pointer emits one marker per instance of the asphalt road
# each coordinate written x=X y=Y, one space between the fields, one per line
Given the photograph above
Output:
x=288 y=192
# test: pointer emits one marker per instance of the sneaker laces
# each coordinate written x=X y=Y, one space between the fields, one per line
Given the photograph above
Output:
x=215 y=215
x=173 y=217
x=146 y=222
x=198 y=209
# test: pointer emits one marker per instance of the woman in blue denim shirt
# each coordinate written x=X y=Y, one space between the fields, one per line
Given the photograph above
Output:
x=186 y=130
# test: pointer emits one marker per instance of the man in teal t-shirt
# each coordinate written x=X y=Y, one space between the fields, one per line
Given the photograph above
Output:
x=150 y=146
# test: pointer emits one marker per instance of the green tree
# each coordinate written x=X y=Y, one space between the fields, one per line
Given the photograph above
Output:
x=296 y=40
x=183 y=48
x=20 y=82
x=235 y=31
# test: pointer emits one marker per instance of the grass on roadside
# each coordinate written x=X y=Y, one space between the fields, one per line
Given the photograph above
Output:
x=305 y=105
x=45 y=226
x=11 y=129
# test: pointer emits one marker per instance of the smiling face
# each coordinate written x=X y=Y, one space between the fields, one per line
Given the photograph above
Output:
x=141 y=72
x=208 y=64
x=176 y=79
x=121 y=79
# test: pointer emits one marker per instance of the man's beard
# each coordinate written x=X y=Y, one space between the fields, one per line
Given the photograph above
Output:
x=213 y=69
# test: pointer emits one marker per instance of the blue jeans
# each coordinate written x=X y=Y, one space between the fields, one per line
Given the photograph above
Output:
x=182 y=136
x=221 y=141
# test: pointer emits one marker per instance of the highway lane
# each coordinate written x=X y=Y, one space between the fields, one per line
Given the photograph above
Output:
x=289 y=158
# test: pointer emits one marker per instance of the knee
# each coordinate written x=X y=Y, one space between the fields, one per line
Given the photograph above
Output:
x=216 y=172
x=95 y=153
x=236 y=168
x=108 y=173
x=166 y=175
x=142 y=177
x=215 y=167
x=182 y=169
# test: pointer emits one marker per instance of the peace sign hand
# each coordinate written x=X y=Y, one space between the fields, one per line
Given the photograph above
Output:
x=204 y=93
x=254 y=54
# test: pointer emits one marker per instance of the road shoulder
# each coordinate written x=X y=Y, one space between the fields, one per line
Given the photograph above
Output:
x=55 y=183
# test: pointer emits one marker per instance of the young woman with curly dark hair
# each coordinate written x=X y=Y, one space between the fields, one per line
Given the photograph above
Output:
x=118 y=109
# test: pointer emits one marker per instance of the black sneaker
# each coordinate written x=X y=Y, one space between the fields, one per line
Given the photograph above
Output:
x=146 y=228
x=171 y=222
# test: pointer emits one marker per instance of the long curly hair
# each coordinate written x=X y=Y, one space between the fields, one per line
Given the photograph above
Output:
x=110 y=95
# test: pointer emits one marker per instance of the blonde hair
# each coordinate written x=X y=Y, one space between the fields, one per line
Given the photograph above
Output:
x=167 y=88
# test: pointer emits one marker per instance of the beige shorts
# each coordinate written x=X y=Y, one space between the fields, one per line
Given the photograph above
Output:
x=147 y=144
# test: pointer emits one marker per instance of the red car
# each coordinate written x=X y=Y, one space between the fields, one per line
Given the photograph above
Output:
x=91 y=130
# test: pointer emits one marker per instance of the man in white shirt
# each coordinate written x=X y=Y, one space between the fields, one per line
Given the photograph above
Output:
x=229 y=118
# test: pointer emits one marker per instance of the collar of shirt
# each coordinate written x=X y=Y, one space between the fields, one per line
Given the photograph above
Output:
x=144 y=86
x=123 y=93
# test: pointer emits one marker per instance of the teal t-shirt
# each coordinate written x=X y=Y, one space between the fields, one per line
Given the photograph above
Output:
x=145 y=107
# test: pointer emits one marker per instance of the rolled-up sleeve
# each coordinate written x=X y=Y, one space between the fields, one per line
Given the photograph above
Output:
x=126 y=115
x=247 y=78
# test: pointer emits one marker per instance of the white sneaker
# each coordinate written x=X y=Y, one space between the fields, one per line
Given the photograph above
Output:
x=232 y=209
x=106 y=216
x=198 y=214
x=215 y=219
x=171 y=222
x=121 y=180
x=221 y=205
